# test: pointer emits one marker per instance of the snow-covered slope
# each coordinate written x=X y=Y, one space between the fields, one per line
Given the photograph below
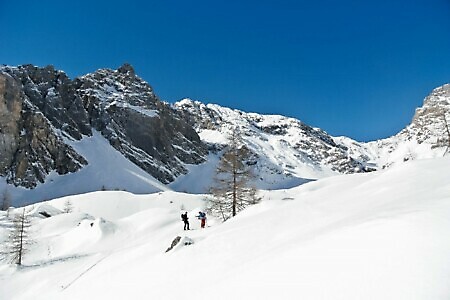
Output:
x=108 y=169
x=380 y=235
x=289 y=148
x=288 y=151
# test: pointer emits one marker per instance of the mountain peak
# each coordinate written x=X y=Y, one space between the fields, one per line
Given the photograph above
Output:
x=126 y=68
x=442 y=91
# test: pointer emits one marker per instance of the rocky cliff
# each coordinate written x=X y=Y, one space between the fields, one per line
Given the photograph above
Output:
x=146 y=130
x=425 y=137
x=40 y=108
x=43 y=113
x=30 y=145
x=285 y=147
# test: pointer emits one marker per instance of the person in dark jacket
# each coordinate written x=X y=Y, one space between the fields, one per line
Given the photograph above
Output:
x=185 y=219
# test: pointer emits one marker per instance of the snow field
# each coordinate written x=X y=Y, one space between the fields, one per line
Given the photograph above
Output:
x=382 y=235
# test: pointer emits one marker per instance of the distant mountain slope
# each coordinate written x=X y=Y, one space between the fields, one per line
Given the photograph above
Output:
x=418 y=140
x=45 y=116
x=145 y=130
x=41 y=109
x=289 y=150
x=285 y=147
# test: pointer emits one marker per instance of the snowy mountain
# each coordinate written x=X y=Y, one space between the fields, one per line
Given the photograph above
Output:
x=52 y=129
x=287 y=150
x=43 y=114
x=292 y=149
x=145 y=130
x=380 y=235
x=419 y=139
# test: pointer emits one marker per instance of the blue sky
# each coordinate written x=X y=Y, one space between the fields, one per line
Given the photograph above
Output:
x=354 y=68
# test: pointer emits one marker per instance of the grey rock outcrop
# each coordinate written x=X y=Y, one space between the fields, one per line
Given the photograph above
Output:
x=425 y=137
x=30 y=147
x=53 y=94
x=40 y=107
x=428 y=123
x=146 y=130
x=285 y=147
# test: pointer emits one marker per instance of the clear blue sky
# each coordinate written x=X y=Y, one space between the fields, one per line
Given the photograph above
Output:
x=354 y=68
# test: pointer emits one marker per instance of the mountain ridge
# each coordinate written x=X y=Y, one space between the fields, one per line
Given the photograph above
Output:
x=171 y=142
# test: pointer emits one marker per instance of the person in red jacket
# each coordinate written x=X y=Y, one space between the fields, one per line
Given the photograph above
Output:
x=202 y=217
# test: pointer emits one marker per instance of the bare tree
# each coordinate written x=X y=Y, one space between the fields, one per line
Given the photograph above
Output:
x=5 y=200
x=232 y=190
x=68 y=207
x=445 y=141
x=19 y=239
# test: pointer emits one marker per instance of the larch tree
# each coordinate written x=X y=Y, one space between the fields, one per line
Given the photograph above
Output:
x=232 y=189
x=19 y=239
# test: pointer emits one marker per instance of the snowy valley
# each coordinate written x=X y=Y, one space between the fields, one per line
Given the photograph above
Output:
x=380 y=235
x=338 y=219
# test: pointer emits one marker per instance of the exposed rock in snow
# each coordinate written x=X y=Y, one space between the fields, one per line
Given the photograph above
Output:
x=283 y=146
x=417 y=140
x=41 y=107
x=30 y=145
x=145 y=130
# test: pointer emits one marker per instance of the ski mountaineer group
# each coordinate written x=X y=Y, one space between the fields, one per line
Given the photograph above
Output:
x=201 y=216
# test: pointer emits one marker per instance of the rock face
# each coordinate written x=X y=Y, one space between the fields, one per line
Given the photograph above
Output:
x=30 y=147
x=42 y=112
x=425 y=137
x=285 y=147
x=41 y=107
x=428 y=123
x=147 y=131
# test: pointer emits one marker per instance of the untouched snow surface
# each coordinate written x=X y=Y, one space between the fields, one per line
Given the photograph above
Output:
x=381 y=235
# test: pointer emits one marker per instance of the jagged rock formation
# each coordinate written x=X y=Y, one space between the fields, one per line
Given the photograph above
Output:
x=292 y=148
x=42 y=111
x=147 y=131
x=421 y=138
x=285 y=146
x=30 y=146
x=428 y=123
x=40 y=107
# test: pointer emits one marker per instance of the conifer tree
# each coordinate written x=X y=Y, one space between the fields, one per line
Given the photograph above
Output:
x=233 y=190
x=19 y=239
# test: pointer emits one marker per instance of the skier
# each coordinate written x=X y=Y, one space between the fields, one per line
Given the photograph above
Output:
x=185 y=218
x=202 y=217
